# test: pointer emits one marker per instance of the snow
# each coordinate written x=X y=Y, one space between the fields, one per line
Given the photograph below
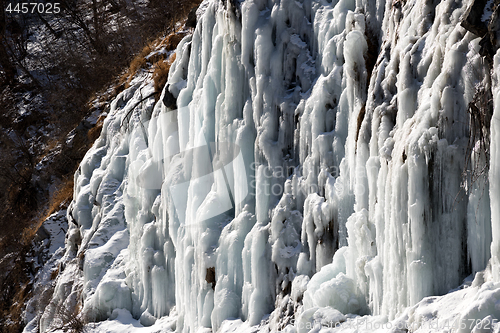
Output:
x=294 y=189
x=488 y=11
x=48 y=251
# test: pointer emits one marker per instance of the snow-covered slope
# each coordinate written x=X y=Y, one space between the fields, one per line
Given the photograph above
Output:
x=308 y=162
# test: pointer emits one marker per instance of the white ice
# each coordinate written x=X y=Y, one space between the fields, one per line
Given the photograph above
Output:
x=294 y=184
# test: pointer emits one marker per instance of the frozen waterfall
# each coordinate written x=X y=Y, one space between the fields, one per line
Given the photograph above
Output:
x=321 y=159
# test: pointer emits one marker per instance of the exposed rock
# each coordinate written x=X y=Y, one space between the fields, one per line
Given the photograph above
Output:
x=473 y=18
x=477 y=23
x=169 y=100
x=191 y=19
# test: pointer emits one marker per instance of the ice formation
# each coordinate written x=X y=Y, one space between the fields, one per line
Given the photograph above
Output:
x=317 y=163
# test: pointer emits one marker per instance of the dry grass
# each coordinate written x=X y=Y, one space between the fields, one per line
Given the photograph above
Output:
x=140 y=60
x=160 y=74
x=60 y=199
x=54 y=274
x=70 y=319
x=51 y=145
x=172 y=40
x=147 y=58
x=95 y=131
x=20 y=298
x=480 y=111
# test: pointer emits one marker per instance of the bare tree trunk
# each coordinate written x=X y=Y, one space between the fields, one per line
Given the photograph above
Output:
x=97 y=28
x=5 y=61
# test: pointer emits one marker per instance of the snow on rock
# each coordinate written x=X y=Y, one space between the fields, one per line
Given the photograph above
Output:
x=317 y=173
x=47 y=253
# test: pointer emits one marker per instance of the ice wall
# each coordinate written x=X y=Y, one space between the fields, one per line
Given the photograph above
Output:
x=317 y=154
x=495 y=172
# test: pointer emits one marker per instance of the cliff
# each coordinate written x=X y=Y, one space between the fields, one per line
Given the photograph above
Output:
x=309 y=166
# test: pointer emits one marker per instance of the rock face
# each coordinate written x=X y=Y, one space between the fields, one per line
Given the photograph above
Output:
x=474 y=20
x=324 y=157
x=482 y=19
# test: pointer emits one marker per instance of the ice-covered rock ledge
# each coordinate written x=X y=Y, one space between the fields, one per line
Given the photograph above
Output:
x=308 y=162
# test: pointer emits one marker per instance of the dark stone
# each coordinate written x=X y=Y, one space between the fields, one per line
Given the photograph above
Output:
x=472 y=21
x=191 y=19
x=41 y=234
x=83 y=126
x=486 y=49
x=490 y=42
x=169 y=100
x=210 y=276
x=361 y=116
x=489 y=31
x=494 y=28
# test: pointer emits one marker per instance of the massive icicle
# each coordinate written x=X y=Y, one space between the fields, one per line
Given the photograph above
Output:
x=301 y=127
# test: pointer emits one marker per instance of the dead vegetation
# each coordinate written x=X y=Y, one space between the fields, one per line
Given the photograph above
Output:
x=70 y=320
x=476 y=164
x=95 y=131
x=61 y=197
x=160 y=74
x=480 y=111
x=54 y=274
x=139 y=62
x=157 y=54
